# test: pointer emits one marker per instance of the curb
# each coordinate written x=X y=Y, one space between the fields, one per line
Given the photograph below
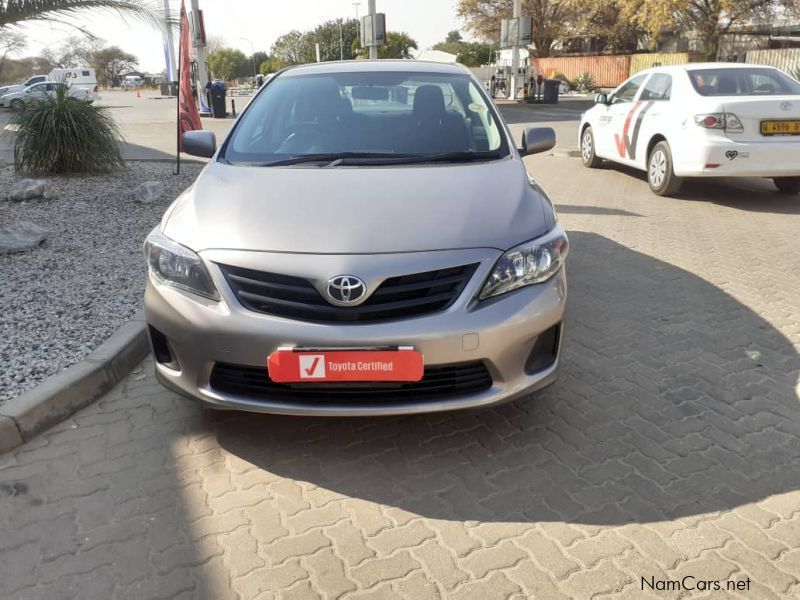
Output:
x=61 y=395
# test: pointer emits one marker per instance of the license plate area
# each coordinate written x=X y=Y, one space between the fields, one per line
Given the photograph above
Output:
x=324 y=365
x=787 y=127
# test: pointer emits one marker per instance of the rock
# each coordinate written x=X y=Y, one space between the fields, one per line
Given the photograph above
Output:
x=148 y=192
x=29 y=189
x=21 y=237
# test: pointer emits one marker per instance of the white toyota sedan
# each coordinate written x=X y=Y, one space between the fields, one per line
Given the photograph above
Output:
x=699 y=120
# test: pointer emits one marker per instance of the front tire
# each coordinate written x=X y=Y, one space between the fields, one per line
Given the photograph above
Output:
x=588 y=156
x=787 y=185
x=17 y=105
x=660 y=174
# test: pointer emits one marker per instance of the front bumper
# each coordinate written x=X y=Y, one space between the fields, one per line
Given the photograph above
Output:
x=500 y=333
x=774 y=158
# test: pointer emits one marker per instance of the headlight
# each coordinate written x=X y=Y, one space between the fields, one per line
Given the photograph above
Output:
x=533 y=262
x=172 y=264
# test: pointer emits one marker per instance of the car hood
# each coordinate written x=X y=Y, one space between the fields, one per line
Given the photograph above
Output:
x=358 y=210
x=10 y=89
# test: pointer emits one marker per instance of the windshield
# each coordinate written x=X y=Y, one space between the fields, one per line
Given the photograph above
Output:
x=743 y=82
x=364 y=116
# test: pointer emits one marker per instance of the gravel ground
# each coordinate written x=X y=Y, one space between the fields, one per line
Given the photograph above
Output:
x=61 y=300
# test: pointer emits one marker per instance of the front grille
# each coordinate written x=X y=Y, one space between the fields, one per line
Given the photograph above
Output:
x=396 y=298
x=436 y=383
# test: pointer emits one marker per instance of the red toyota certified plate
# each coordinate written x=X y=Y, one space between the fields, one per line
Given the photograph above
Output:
x=292 y=365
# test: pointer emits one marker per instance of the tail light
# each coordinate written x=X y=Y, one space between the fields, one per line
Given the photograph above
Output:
x=726 y=121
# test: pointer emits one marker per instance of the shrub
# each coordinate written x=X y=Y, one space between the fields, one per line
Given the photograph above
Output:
x=61 y=134
x=584 y=83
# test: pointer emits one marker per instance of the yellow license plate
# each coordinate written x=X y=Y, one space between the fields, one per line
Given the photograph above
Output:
x=780 y=127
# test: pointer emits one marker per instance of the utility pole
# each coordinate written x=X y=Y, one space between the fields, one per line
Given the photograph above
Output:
x=252 y=54
x=200 y=51
x=373 y=50
x=172 y=70
x=512 y=95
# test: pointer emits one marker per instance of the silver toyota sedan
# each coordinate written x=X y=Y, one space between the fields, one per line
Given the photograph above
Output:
x=365 y=241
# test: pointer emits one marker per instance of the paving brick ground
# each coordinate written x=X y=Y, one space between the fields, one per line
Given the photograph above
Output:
x=669 y=447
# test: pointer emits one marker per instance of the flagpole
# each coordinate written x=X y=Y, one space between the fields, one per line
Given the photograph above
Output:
x=178 y=106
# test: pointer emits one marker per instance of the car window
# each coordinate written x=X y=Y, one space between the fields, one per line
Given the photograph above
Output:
x=382 y=113
x=755 y=81
x=38 y=87
x=658 y=87
x=627 y=91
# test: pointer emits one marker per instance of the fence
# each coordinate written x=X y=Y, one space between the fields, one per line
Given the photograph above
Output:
x=640 y=62
x=786 y=59
x=606 y=71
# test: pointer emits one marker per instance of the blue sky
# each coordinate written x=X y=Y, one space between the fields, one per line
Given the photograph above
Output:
x=261 y=21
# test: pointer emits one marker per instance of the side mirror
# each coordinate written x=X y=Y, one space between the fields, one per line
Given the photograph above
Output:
x=601 y=99
x=537 y=139
x=199 y=143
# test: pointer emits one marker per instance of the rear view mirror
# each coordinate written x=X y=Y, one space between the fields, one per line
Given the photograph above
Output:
x=601 y=99
x=370 y=93
x=537 y=139
x=199 y=143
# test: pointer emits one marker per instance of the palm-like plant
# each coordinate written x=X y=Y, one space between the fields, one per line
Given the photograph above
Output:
x=61 y=134
x=17 y=11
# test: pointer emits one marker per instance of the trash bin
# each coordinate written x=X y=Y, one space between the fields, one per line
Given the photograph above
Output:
x=550 y=93
x=217 y=92
x=169 y=88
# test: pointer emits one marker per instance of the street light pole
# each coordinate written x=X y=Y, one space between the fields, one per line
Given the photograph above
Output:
x=341 y=41
x=252 y=54
x=373 y=49
x=356 y=4
x=515 y=57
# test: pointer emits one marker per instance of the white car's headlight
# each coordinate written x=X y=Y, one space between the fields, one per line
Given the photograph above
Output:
x=530 y=263
x=172 y=264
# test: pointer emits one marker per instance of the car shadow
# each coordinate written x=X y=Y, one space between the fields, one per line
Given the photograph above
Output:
x=750 y=194
x=675 y=399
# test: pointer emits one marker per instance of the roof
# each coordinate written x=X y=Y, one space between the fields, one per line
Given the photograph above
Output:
x=374 y=66
x=703 y=65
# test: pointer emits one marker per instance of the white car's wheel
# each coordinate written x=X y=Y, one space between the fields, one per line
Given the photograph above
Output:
x=17 y=105
x=787 y=185
x=660 y=175
x=588 y=156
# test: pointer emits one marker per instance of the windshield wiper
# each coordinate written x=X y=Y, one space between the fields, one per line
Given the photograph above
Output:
x=337 y=159
x=329 y=157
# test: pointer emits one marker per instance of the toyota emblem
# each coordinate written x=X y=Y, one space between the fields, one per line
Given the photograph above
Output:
x=786 y=105
x=345 y=290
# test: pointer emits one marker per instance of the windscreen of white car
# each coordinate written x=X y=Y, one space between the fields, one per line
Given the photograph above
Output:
x=367 y=118
x=755 y=81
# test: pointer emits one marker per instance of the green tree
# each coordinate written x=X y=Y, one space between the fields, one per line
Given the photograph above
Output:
x=110 y=63
x=62 y=11
x=453 y=37
x=398 y=45
x=331 y=45
x=271 y=65
x=710 y=19
x=294 y=48
x=476 y=54
x=227 y=63
x=551 y=19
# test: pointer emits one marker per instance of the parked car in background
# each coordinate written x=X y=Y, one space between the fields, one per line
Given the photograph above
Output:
x=348 y=251
x=699 y=120
x=21 y=86
x=17 y=100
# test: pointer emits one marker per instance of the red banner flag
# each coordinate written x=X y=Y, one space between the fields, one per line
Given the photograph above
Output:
x=188 y=117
